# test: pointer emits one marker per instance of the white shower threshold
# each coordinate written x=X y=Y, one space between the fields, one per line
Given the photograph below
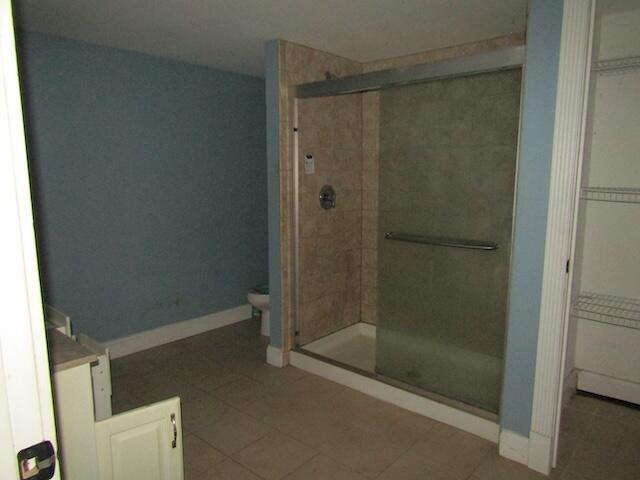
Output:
x=354 y=348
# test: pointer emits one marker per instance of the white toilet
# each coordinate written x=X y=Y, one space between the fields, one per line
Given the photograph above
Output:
x=258 y=297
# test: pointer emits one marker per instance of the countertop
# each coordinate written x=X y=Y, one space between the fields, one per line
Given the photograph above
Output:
x=65 y=353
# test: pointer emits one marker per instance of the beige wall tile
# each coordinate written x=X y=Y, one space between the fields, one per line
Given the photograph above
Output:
x=447 y=52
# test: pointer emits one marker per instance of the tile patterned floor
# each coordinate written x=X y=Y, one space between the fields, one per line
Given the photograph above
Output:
x=243 y=419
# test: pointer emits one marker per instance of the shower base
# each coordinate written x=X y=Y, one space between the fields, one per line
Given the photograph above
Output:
x=348 y=357
x=354 y=346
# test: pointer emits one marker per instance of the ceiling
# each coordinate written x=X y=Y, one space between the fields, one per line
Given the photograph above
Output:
x=230 y=34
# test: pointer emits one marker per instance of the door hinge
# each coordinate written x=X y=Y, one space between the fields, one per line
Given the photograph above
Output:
x=38 y=462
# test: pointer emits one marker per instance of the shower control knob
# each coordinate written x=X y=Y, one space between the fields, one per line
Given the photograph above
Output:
x=327 y=197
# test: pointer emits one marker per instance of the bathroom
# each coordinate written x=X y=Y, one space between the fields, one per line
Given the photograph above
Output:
x=402 y=211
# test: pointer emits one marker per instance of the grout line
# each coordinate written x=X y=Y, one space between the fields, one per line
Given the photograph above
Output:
x=302 y=465
x=398 y=457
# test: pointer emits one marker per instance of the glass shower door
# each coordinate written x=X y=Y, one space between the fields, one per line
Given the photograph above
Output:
x=447 y=170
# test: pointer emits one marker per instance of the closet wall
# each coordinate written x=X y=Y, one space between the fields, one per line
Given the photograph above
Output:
x=604 y=340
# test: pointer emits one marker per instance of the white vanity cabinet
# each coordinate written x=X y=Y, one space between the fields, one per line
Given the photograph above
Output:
x=142 y=444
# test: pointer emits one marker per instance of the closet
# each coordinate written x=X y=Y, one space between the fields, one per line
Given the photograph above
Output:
x=603 y=355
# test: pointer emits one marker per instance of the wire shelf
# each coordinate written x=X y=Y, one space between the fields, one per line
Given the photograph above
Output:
x=616 y=65
x=611 y=194
x=624 y=312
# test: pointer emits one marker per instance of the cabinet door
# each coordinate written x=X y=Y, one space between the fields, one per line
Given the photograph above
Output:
x=144 y=443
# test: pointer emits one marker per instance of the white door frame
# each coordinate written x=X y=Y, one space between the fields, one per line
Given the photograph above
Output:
x=566 y=166
x=26 y=408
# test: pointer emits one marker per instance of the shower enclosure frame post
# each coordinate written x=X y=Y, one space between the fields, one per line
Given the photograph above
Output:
x=566 y=166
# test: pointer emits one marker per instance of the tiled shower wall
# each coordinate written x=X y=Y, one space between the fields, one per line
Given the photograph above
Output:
x=338 y=160
x=330 y=240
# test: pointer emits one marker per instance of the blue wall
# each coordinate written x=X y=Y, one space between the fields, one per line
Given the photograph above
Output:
x=149 y=180
x=536 y=141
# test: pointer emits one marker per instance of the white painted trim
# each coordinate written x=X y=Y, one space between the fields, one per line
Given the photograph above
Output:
x=514 y=446
x=410 y=401
x=25 y=385
x=276 y=357
x=540 y=452
x=571 y=98
x=176 y=331
x=609 y=386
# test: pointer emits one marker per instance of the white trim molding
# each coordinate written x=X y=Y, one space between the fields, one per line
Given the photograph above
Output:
x=608 y=386
x=573 y=78
x=514 y=446
x=176 y=331
x=276 y=357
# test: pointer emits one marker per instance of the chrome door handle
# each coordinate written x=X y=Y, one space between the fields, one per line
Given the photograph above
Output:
x=175 y=431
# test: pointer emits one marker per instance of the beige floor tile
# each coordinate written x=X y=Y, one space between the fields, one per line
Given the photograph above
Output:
x=585 y=403
x=167 y=388
x=591 y=461
x=575 y=421
x=410 y=467
x=606 y=433
x=572 y=476
x=122 y=400
x=614 y=410
x=269 y=375
x=210 y=381
x=228 y=470
x=626 y=462
x=233 y=432
x=385 y=419
x=567 y=446
x=241 y=393
x=321 y=467
x=237 y=405
x=199 y=456
x=499 y=468
x=274 y=456
x=303 y=422
x=365 y=452
x=203 y=410
x=460 y=451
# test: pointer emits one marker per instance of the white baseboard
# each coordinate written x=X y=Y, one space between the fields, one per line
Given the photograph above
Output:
x=514 y=446
x=540 y=452
x=609 y=386
x=410 y=401
x=176 y=331
x=276 y=357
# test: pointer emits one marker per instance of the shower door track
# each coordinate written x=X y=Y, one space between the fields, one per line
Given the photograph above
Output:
x=496 y=60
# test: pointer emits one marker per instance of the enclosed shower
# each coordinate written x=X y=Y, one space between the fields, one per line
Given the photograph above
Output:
x=403 y=188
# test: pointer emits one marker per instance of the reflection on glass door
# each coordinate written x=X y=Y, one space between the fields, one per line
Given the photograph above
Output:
x=446 y=190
